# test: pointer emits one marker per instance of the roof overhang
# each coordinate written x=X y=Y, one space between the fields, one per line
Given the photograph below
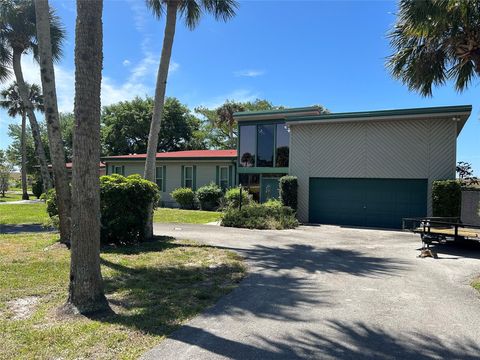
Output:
x=459 y=114
x=276 y=114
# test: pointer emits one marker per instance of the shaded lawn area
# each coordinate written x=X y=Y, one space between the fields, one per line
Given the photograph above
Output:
x=9 y=196
x=23 y=213
x=166 y=215
x=153 y=288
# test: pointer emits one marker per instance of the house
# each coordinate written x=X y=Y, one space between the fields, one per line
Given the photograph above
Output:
x=359 y=168
x=191 y=168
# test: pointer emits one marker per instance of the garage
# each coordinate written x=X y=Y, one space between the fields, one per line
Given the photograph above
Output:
x=366 y=202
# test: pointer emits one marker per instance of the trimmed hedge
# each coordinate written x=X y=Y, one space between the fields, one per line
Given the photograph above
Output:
x=209 y=196
x=232 y=198
x=446 y=198
x=289 y=191
x=185 y=197
x=37 y=187
x=50 y=198
x=260 y=216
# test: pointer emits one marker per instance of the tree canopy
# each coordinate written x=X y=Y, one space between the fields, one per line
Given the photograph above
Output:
x=436 y=41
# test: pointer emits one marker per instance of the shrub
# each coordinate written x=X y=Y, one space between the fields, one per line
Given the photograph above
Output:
x=289 y=191
x=209 y=196
x=273 y=203
x=124 y=206
x=50 y=198
x=232 y=198
x=446 y=198
x=260 y=216
x=37 y=187
x=185 y=197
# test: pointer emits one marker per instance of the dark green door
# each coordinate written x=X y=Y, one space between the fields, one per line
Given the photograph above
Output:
x=269 y=189
x=366 y=202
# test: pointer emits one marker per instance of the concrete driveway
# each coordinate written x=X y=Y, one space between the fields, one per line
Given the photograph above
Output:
x=331 y=292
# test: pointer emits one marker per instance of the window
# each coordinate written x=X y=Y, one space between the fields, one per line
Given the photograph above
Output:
x=118 y=170
x=283 y=146
x=224 y=177
x=252 y=183
x=188 y=177
x=265 y=135
x=248 y=135
x=159 y=170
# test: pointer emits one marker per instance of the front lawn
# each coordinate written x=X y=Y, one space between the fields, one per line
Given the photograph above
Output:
x=166 y=215
x=9 y=196
x=153 y=288
x=13 y=214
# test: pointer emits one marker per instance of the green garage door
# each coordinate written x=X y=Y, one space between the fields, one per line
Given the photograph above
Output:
x=366 y=202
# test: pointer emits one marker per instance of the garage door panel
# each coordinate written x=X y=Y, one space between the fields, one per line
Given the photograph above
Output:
x=366 y=202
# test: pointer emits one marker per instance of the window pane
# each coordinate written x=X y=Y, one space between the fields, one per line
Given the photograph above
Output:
x=224 y=184
x=188 y=172
x=188 y=183
x=247 y=145
x=252 y=183
x=283 y=146
x=158 y=172
x=224 y=173
x=265 y=145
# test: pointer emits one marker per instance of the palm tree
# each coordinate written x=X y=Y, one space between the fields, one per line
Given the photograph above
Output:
x=44 y=20
x=13 y=104
x=191 y=10
x=17 y=37
x=436 y=41
x=86 y=286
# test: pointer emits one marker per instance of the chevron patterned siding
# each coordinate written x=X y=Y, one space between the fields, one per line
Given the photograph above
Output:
x=402 y=149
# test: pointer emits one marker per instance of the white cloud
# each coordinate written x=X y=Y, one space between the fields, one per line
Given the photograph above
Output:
x=174 y=66
x=140 y=14
x=239 y=95
x=249 y=73
x=126 y=62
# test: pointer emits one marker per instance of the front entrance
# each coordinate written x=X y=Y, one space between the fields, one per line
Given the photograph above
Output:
x=269 y=188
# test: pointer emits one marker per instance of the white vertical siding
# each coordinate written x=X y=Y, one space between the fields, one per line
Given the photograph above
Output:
x=415 y=149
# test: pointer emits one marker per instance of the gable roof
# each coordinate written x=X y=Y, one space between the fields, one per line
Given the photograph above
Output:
x=187 y=154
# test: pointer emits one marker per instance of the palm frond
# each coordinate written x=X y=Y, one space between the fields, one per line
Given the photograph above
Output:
x=157 y=7
x=191 y=12
x=221 y=9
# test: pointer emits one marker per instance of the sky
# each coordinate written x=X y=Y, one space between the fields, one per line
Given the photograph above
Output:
x=292 y=53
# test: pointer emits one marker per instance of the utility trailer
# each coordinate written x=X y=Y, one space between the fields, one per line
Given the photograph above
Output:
x=441 y=230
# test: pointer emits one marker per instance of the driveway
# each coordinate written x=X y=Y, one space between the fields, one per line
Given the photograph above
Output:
x=333 y=293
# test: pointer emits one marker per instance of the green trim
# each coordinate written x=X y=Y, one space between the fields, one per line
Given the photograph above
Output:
x=262 y=170
x=123 y=170
x=123 y=159
x=217 y=175
x=272 y=112
x=263 y=122
x=164 y=178
x=194 y=177
x=106 y=169
x=230 y=175
x=183 y=176
x=384 y=113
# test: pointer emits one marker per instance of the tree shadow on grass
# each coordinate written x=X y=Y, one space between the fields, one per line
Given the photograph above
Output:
x=156 y=244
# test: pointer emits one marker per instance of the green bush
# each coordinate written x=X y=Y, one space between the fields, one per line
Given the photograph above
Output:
x=289 y=191
x=124 y=206
x=37 y=187
x=209 y=196
x=50 y=198
x=185 y=197
x=273 y=203
x=446 y=198
x=232 y=198
x=260 y=216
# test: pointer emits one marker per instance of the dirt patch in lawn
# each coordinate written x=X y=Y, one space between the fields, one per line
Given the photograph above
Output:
x=22 y=308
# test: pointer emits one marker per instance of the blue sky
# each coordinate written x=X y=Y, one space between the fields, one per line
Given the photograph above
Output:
x=292 y=53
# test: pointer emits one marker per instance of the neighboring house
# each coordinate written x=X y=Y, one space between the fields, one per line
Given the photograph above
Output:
x=360 y=168
x=193 y=169
x=101 y=169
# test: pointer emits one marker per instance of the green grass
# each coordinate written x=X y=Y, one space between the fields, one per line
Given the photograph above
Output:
x=9 y=196
x=165 y=215
x=153 y=288
x=476 y=283
x=14 y=214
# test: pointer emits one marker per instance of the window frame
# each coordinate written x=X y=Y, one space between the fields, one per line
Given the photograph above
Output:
x=159 y=180
x=185 y=179
x=116 y=171
x=227 y=179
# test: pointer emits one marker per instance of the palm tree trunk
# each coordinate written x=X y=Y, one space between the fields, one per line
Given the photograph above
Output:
x=23 y=92
x=86 y=284
x=57 y=152
x=160 y=90
x=23 y=149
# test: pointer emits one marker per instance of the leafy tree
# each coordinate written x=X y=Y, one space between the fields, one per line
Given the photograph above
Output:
x=11 y=101
x=86 y=294
x=125 y=127
x=45 y=17
x=191 y=10
x=5 y=169
x=436 y=41
x=465 y=173
x=18 y=36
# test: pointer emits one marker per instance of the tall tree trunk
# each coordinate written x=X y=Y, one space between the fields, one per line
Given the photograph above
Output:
x=160 y=90
x=57 y=152
x=24 y=95
x=86 y=284
x=23 y=150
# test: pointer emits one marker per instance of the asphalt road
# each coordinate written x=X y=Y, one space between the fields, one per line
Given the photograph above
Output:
x=334 y=293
